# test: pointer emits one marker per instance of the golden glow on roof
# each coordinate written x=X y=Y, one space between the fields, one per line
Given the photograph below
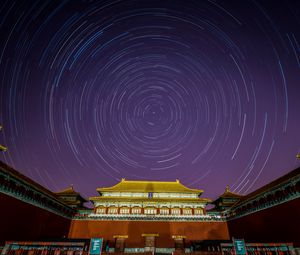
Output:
x=149 y=186
x=69 y=190
x=229 y=193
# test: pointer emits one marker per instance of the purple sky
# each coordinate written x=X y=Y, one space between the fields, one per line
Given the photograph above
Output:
x=202 y=91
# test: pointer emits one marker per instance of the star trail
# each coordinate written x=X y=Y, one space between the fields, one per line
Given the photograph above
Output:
x=202 y=91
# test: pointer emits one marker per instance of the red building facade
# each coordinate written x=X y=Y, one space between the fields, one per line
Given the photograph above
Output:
x=166 y=212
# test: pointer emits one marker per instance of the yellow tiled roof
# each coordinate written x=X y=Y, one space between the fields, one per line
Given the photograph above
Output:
x=149 y=186
x=70 y=190
x=229 y=193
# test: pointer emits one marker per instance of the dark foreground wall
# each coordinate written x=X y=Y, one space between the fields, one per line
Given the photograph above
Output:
x=20 y=221
x=280 y=223
x=135 y=229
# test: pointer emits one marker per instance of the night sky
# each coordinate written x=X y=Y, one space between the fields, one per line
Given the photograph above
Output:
x=202 y=91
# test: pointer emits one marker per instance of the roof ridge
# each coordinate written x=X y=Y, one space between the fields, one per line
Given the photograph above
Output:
x=145 y=181
x=149 y=186
x=68 y=190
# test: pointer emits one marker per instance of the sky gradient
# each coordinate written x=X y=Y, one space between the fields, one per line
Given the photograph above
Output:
x=202 y=91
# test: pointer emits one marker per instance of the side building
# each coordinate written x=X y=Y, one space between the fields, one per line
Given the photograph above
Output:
x=72 y=198
x=269 y=214
x=28 y=210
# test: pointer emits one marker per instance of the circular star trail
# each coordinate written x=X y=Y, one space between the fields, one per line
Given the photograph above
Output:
x=202 y=91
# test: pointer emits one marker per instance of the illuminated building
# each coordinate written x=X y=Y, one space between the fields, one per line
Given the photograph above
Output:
x=149 y=214
x=137 y=198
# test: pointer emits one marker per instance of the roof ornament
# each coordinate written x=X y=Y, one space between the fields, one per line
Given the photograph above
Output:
x=123 y=179
x=227 y=189
x=177 y=180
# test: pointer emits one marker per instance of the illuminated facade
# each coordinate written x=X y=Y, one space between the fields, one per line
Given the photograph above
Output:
x=148 y=215
x=149 y=198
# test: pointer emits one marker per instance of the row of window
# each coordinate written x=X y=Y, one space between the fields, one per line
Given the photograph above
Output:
x=164 y=211
x=149 y=195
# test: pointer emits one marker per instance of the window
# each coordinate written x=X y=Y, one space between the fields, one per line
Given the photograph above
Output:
x=150 y=210
x=198 y=211
x=100 y=210
x=113 y=210
x=164 y=210
x=124 y=210
x=175 y=211
x=136 y=210
x=187 y=211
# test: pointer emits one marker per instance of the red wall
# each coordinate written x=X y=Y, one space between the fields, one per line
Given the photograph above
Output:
x=280 y=223
x=20 y=221
x=134 y=230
